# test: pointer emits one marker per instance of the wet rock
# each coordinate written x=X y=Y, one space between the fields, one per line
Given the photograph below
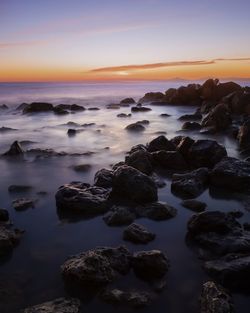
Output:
x=127 y=101
x=96 y=267
x=135 y=127
x=165 y=115
x=15 y=150
x=238 y=102
x=231 y=173
x=190 y=117
x=60 y=111
x=206 y=153
x=82 y=198
x=143 y=122
x=82 y=168
x=140 y=160
x=160 y=143
x=191 y=126
x=213 y=90
x=23 y=204
x=177 y=139
x=215 y=299
x=119 y=215
x=4 y=215
x=157 y=211
x=150 y=265
x=71 y=132
x=137 y=233
x=189 y=94
x=194 y=205
x=37 y=107
x=184 y=145
x=8 y=239
x=88 y=124
x=191 y=184
x=104 y=178
x=124 y=115
x=172 y=160
x=152 y=97
x=218 y=118
x=19 y=188
x=3 y=107
x=135 y=299
x=136 y=148
x=244 y=135
x=62 y=305
x=140 y=109
x=7 y=129
x=113 y=106
x=76 y=107
x=132 y=185
x=93 y=109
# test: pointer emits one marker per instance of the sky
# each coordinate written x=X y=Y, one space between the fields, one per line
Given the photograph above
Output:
x=85 y=40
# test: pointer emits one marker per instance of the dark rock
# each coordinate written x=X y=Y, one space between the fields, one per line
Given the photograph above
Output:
x=150 y=265
x=36 y=107
x=124 y=115
x=96 y=267
x=23 y=204
x=246 y=226
x=244 y=135
x=165 y=115
x=143 y=122
x=160 y=143
x=140 y=109
x=8 y=239
x=231 y=173
x=4 y=215
x=191 y=126
x=113 y=106
x=82 y=198
x=135 y=299
x=3 y=107
x=19 y=188
x=132 y=185
x=103 y=178
x=136 y=148
x=189 y=94
x=218 y=118
x=82 y=167
x=215 y=299
x=127 y=101
x=71 y=132
x=152 y=97
x=94 y=109
x=170 y=160
x=76 y=107
x=184 y=145
x=213 y=90
x=207 y=106
x=137 y=234
x=22 y=106
x=135 y=127
x=7 y=129
x=194 y=205
x=59 y=111
x=190 y=117
x=157 y=211
x=88 y=124
x=60 y=305
x=15 y=150
x=191 y=184
x=119 y=215
x=238 y=102
x=141 y=160
x=206 y=153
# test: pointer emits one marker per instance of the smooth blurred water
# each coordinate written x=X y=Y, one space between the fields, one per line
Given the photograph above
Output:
x=31 y=274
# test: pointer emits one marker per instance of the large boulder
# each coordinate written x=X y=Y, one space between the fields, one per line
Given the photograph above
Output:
x=4 y=215
x=189 y=94
x=213 y=90
x=215 y=299
x=82 y=198
x=60 y=305
x=190 y=185
x=160 y=143
x=206 y=153
x=36 y=107
x=218 y=118
x=152 y=97
x=103 y=178
x=183 y=145
x=244 y=135
x=238 y=102
x=172 y=160
x=231 y=173
x=15 y=150
x=141 y=160
x=137 y=233
x=132 y=185
x=135 y=127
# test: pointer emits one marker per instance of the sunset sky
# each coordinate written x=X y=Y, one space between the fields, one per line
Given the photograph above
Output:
x=74 y=40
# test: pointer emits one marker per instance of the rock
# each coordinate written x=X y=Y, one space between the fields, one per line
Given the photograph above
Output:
x=156 y=211
x=93 y=109
x=135 y=127
x=36 y=107
x=190 y=117
x=165 y=115
x=191 y=126
x=4 y=215
x=71 y=132
x=212 y=90
x=82 y=167
x=215 y=299
x=76 y=107
x=189 y=94
x=123 y=115
x=88 y=124
x=132 y=185
x=113 y=106
x=140 y=109
x=103 y=178
x=238 y=102
x=218 y=118
x=23 y=204
x=184 y=145
x=15 y=150
x=140 y=160
x=206 y=153
x=191 y=184
x=194 y=205
x=82 y=198
x=143 y=122
x=96 y=267
x=244 y=135
x=172 y=160
x=127 y=101
x=22 y=106
x=160 y=143
x=3 y=107
x=7 y=129
x=19 y=188
x=8 y=239
x=150 y=265
x=137 y=233
x=231 y=173
x=135 y=299
x=119 y=215
x=152 y=97
x=60 y=305
x=60 y=111
x=136 y=148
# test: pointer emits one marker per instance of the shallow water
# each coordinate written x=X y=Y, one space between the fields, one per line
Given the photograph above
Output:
x=31 y=274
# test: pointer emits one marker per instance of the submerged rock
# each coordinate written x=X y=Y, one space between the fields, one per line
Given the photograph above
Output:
x=104 y=178
x=194 y=205
x=36 y=107
x=138 y=234
x=23 y=204
x=8 y=239
x=135 y=127
x=60 y=305
x=127 y=101
x=140 y=109
x=119 y=215
x=191 y=126
x=82 y=167
x=123 y=115
x=7 y=129
x=15 y=150
x=19 y=188
x=215 y=299
x=3 y=107
x=190 y=117
x=156 y=211
x=160 y=143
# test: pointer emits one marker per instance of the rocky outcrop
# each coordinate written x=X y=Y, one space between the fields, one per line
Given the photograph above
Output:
x=15 y=150
x=189 y=94
x=127 y=101
x=37 y=107
x=160 y=143
x=137 y=233
x=152 y=97
x=218 y=118
x=190 y=185
x=213 y=90
x=238 y=102
x=119 y=215
x=61 y=305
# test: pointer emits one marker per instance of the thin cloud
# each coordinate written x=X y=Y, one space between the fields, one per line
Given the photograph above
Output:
x=5 y=45
x=162 y=65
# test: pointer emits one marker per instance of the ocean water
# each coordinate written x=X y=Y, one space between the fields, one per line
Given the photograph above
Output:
x=31 y=274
